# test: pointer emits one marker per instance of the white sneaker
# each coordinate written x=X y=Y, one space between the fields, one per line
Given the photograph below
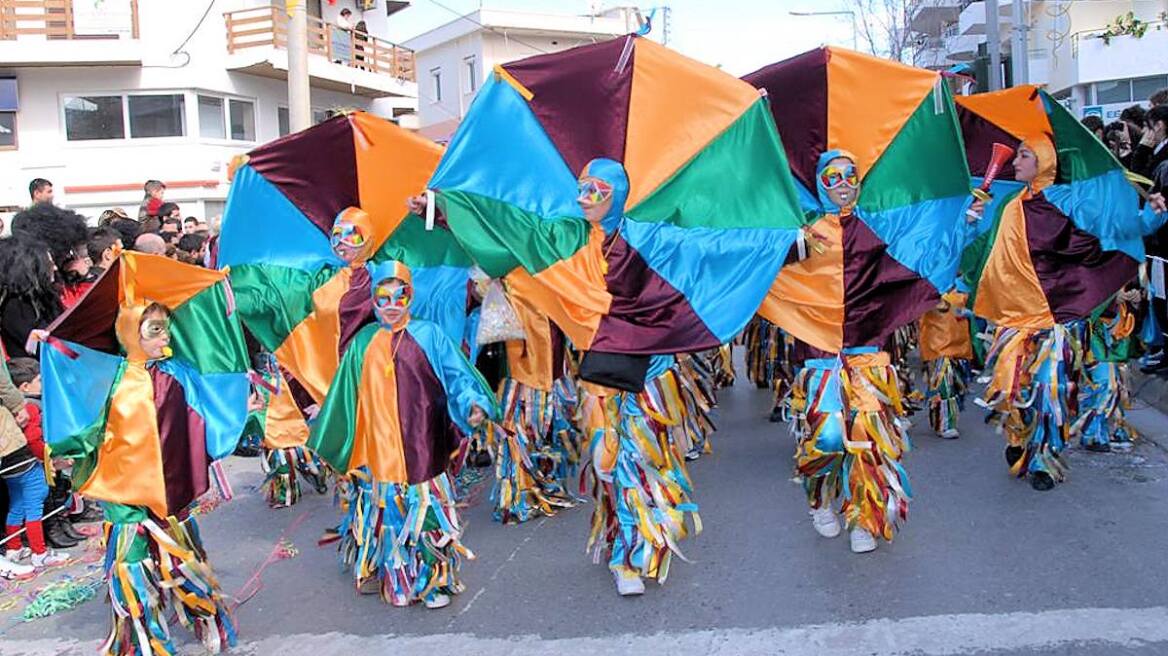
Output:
x=437 y=600
x=949 y=434
x=18 y=555
x=628 y=585
x=826 y=522
x=862 y=541
x=14 y=571
x=49 y=558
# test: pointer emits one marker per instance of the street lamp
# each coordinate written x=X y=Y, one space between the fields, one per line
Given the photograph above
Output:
x=852 y=14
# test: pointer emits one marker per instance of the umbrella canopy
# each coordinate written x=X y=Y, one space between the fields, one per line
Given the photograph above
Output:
x=1055 y=253
x=885 y=263
x=296 y=295
x=706 y=216
x=145 y=438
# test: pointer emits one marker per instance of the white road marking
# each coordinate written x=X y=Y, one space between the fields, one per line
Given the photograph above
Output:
x=939 y=635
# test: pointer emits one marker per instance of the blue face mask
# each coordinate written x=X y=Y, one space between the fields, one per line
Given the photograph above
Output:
x=612 y=173
x=825 y=202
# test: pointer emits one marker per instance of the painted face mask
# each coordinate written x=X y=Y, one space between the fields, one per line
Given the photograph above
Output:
x=594 y=191
x=835 y=176
x=388 y=296
x=154 y=329
x=346 y=234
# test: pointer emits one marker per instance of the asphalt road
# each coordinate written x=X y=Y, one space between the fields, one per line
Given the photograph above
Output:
x=985 y=565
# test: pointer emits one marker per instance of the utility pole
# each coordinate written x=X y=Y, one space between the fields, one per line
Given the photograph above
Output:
x=299 y=105
x=993 y=44
x=1019 y=46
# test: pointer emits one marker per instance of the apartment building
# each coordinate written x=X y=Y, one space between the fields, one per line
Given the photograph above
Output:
x=1086 y=52
x=100 y=96
x=454 y=59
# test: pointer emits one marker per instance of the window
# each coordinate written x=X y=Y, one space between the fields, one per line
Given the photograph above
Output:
x=472 y=78
x=436 y=85
x=284 y=124
x=1116 y=91
x=211 y=118
x=94 y=117
x=89 y=118
x=242 y=120
x=237 y=124
x=1144 y=87
x=9 y=104
x=7 y=130
x=156 y=116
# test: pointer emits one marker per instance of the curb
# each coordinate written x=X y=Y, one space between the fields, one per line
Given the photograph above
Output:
x=1152 y=390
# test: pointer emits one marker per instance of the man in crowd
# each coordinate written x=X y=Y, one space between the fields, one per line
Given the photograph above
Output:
x=151 y=243
x=103 y=245
x=41 y=191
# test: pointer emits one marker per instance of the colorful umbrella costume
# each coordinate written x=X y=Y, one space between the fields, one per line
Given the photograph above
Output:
x=864 y=269
x=391 y=422
x=335 y=195
x=946 y=350
x=1056 y=249
x=682 y=269
x=143 y=428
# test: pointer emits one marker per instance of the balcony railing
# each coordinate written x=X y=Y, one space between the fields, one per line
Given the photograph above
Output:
x=268 y=27
x=60 y=20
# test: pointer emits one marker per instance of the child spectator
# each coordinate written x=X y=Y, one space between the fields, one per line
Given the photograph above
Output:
x=27 y=487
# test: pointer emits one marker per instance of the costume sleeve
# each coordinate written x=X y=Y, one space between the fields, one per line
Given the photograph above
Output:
x=1150 y=220
x=10 y=396
x=464 y=385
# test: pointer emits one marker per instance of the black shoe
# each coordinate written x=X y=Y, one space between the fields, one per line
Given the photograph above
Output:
x=320 y=484
x=1041 y=481
x=1013 y=454
x=481 y=458
x=776 y=415
x=1096 y=447
x=760 y=385
x=56 y=537
x=1155 y=365
x=67 y=529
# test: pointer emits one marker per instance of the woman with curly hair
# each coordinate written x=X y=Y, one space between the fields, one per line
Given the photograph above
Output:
x=29 y=294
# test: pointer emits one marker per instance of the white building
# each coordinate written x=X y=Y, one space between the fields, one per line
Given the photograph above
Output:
x=1069 y=46
x=455 y=58
x=98 y=97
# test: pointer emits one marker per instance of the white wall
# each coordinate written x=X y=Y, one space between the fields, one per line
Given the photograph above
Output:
x=489 y=49
x=1057 y=24
x=450 y=58
x=43 y=150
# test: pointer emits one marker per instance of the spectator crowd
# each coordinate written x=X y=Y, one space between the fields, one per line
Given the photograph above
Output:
x=50 y=260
